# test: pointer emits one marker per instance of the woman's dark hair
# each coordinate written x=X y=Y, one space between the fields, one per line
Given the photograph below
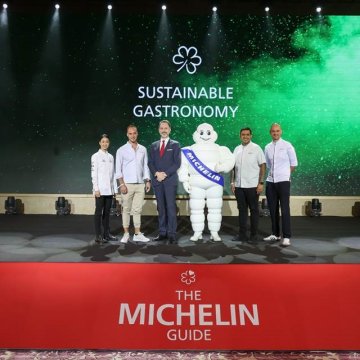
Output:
x=104 y=136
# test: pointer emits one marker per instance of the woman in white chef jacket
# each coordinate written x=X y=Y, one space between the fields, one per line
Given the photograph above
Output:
x=102 y=176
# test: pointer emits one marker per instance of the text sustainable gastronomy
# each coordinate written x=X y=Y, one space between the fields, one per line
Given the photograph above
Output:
x=168 y=93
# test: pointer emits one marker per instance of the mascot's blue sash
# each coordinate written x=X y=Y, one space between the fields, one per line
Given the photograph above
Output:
x=202 y=169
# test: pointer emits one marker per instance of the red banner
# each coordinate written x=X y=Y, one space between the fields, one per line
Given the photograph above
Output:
x=179 y=306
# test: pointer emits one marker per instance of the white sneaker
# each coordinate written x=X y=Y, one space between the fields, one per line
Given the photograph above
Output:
x=197 y=236
x=286 y=242
x=125 y=238
x=140 y=237
x=272 y=238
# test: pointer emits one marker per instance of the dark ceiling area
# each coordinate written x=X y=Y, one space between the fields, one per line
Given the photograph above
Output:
x=198 y=7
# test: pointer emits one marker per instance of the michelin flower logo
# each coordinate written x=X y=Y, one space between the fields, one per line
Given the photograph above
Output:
x=187 y=57
x=188 y=277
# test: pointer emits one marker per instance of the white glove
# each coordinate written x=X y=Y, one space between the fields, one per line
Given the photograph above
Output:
x=187 y=186
x=218 y=168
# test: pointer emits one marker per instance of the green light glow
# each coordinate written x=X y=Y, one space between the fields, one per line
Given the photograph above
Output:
x=315 y=97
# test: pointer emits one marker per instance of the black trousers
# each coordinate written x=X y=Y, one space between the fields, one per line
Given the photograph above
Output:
x=102 y=214
x=278 y=196
x=247 y=198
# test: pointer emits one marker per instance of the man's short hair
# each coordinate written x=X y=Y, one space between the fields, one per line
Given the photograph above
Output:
x=166 y=122
x=131 y=126
x=245 y=128
x=275 y=124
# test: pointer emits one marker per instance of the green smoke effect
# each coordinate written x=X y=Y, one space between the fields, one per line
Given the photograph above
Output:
x=314 y=96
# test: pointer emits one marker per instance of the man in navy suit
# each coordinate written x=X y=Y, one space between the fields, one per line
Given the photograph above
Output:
x=164 y=161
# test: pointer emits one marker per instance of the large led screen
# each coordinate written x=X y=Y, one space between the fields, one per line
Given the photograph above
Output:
x=66 y=78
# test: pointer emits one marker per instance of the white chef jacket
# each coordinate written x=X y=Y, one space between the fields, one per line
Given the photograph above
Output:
x=102 y=172
x=280 y=155
x=248 y=160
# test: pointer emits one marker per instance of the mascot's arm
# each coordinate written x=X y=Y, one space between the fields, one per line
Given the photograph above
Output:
x=183 y=173
x=227 y=160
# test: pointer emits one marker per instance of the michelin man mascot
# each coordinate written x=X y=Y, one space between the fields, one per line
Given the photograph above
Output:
x=201 y=165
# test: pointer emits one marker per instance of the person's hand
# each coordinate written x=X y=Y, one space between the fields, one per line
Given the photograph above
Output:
x=232 y=185
x=123 y=189
x=187 y=186
x=160 y=176
x=147 y=186
x=97 y=194
x=163 y=175
x=259 y=188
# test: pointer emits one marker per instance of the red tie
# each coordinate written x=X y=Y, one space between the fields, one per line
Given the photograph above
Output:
x=162 y=148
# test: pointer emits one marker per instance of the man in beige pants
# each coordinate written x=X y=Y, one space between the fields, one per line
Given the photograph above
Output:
x=132 y=176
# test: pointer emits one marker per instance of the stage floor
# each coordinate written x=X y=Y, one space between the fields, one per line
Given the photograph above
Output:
x=50 y=238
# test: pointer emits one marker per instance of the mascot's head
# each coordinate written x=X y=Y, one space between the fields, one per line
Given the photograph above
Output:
x=205 y=134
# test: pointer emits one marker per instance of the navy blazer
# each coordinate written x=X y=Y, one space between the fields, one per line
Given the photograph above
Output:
x=168 y=163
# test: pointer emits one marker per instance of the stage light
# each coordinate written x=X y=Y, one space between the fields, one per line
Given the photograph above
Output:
x=62 y=206
x=115 y=209
x=109 y=7
x=263 y=208
x=356 y=209
x=10 y=206
x=57 y=6
x=164 y=7
x=5 y=6
x=267 y=9
x=214 y=9
x=313 y=208
x=318 y=9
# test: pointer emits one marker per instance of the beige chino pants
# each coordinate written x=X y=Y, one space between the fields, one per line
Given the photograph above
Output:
x=132 y=204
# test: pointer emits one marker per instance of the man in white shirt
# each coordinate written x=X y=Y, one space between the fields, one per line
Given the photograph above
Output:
x=247 y=182
x=131 y=172
x=281 y=161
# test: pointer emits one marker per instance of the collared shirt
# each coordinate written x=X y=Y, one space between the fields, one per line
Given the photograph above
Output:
x=248 y=160
x=131 y=164
x=102 y=172
x=280 y=155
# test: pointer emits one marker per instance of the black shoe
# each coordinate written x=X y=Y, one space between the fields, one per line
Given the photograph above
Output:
x=98 y=239
x=160 y=237
x=238 y=238
x=172 y=240
x=110 y=237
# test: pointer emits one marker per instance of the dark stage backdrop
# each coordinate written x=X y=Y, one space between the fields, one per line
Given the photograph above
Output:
x=66 y=78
